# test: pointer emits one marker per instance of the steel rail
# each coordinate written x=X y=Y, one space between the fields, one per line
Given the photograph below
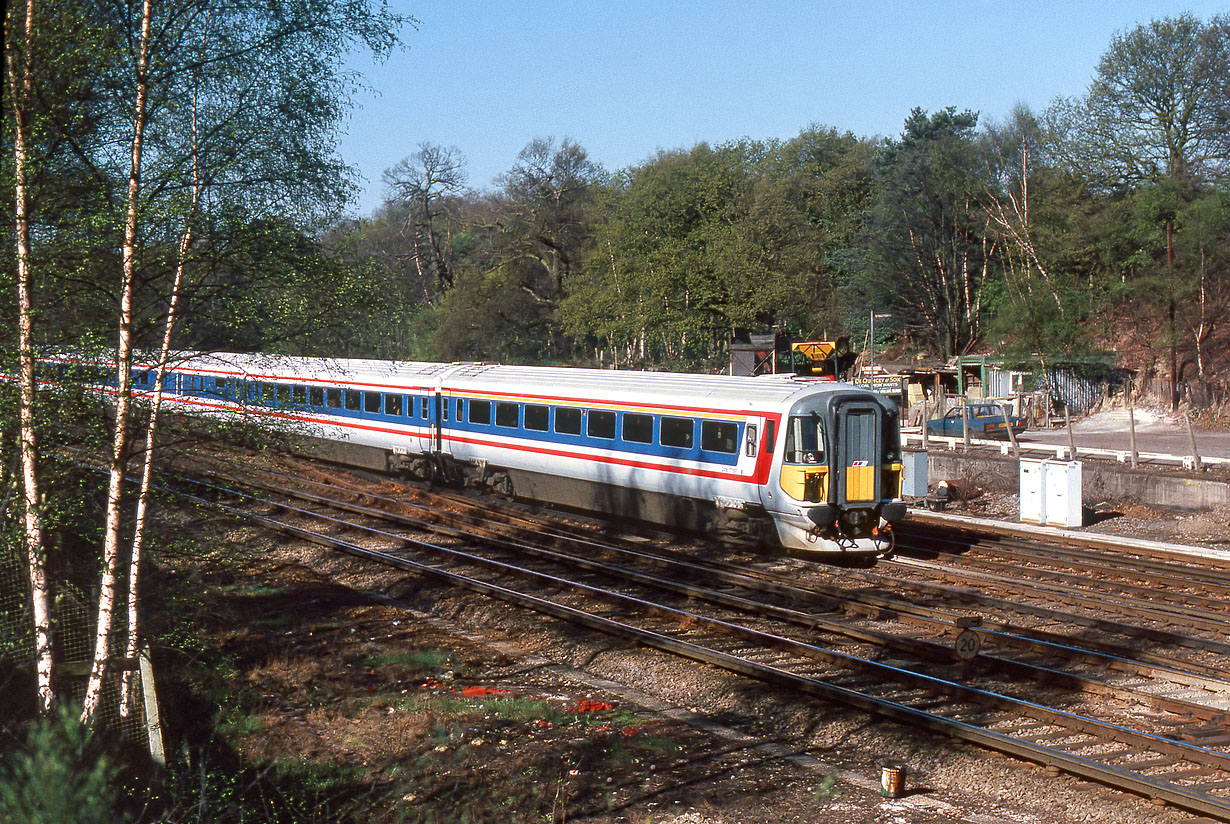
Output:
x=923 y=649
x=738 y=576
x=1163 y=583
x=1188 y=797
x=1118 y=659
x=1066 y=537
x=1096 y=552
x=1212 y=622
x=969 y=597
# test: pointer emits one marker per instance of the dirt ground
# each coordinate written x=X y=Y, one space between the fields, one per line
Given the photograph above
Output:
x=433 y=706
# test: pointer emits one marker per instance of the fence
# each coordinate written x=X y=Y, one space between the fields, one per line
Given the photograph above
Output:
x=72 y=650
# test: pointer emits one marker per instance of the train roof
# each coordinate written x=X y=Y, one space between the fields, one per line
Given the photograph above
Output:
x=526 y=382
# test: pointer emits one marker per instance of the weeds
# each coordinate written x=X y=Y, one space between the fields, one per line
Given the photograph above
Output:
x=422 y=660
x=828 y=789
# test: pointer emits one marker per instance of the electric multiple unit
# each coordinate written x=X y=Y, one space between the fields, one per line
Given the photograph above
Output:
x=811 y=464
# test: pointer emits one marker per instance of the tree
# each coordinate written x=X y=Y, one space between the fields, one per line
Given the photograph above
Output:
x=1035 y=213
x=929 y=251
x=547 y=211
x=425 y=184
x=124 y=357
x=657 y=286
x=522 y=246
x=1158 y=107
x=266 y=86
x=19 y=47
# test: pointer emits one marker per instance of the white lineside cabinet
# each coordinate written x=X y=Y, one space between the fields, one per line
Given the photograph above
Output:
x=1033 y=499
x=914 y=481
x=1061 y=505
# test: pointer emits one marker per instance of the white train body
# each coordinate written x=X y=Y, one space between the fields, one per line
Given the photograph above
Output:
x=815 y=464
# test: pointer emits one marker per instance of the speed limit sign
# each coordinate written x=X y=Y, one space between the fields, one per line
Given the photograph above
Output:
x=967 y=645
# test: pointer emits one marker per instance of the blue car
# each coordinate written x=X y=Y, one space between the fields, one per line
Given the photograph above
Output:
x=986 y=420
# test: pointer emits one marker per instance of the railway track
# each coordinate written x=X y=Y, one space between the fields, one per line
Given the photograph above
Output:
x=1111 y=710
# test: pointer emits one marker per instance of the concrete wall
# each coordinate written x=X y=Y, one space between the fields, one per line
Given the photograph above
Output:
x=1102 y=481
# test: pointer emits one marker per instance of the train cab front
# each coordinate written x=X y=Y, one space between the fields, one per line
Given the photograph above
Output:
x=842 y=464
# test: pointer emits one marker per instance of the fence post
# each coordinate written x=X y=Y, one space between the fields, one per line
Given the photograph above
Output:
x=153 y=723
x=1132 y=426
x=1191 y=436
x=964 y=425
x=1016 y=449
x=1067 y=420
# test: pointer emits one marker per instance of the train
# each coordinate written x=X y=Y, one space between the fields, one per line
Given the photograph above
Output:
x=804 y=463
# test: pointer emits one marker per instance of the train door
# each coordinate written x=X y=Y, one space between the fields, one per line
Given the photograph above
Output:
x=432 y=421
x=859 y=431
x=444 y=415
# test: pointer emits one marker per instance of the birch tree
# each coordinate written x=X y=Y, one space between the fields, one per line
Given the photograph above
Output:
x=19 y=45
x=270 y=90
x=123 y=397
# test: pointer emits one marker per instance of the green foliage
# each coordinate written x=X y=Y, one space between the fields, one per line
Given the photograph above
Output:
x=926 y=255
x=1156 y=108
x=61 y=775
x=419 y=660
x=698 y=244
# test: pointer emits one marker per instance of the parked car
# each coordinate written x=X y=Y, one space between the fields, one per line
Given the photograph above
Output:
x=986 y=420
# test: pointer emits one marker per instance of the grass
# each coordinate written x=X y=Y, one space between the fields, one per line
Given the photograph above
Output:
x=425 y=660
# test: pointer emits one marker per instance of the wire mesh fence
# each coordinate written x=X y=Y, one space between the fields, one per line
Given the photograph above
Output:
x=16 y=621
x=73 y=615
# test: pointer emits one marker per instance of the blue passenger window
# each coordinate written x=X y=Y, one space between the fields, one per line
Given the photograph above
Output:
x=392 y=405
x=298 y=395
x=567 y=420
x=719 y=436
x=316 y=396
x=507 y=414
x=601 y=424
x=677 y=432
x=333 y=398
x=371 y=402
x=268 y=395
x=283 y=396
x=423 y=408
x=638 y=428
x=459 y=415
x=351 y=399
x=537 y=418
x=480 y=412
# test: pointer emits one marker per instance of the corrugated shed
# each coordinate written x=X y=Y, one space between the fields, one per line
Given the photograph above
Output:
x=1077 y=393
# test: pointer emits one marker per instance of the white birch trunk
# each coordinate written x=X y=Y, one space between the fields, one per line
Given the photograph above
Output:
x=36 y=552
x=151 y=430
x=123 y=398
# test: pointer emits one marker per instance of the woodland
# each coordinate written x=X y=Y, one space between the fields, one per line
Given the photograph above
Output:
x=171 y=185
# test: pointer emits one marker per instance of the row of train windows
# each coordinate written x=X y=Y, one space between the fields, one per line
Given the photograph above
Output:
x=680 y=433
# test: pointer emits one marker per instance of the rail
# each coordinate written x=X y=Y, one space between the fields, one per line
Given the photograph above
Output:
x=1051 y=736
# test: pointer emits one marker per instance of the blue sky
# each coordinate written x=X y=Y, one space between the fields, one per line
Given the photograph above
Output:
x=625 y=78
